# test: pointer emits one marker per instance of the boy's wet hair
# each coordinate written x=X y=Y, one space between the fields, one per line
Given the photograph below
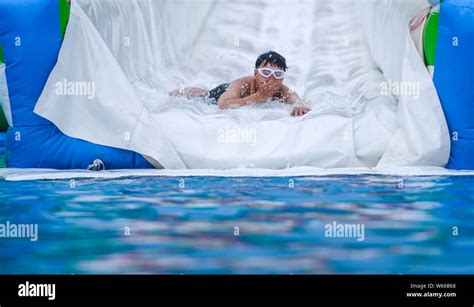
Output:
x=272 y=57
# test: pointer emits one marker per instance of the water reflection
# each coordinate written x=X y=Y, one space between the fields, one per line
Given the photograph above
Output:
x=241 y=225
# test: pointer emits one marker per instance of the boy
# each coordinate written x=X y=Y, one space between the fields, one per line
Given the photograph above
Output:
x=265 y=84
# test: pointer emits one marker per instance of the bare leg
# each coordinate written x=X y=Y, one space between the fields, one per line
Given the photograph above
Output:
x=189 y=92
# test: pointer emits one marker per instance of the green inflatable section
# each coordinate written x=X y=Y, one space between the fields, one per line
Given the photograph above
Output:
x=430 y=35
x=3 y=120
x=2 y=59
x=64 y=11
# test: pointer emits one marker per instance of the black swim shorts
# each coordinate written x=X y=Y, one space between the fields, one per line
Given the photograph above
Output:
x=216 y=93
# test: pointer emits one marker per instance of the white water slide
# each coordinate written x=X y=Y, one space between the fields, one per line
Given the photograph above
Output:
x=348 y=60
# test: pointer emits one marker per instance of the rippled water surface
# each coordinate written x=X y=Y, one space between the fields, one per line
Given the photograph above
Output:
x=240 y=225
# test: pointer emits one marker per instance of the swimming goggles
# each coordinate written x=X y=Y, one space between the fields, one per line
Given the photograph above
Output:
x=267 y=72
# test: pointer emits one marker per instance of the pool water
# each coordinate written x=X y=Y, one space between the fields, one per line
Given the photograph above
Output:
x=240 y=225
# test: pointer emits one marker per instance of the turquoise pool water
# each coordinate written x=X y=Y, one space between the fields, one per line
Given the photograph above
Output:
x=188 y=225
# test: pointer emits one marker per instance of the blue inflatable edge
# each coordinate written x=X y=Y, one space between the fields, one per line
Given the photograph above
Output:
x=454 y=78
x=31 y=38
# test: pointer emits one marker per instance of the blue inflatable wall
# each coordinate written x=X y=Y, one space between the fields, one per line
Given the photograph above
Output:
x=454 y=78
x=30 y=38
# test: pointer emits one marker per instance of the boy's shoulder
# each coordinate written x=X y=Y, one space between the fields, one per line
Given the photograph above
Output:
x=245 y=80
x=246 y=84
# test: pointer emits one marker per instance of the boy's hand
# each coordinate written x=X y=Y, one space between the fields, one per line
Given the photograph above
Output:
x=269 y=89
x=300 y=111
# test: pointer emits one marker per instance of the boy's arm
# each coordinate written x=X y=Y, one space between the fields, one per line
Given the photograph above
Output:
x=291 y=97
